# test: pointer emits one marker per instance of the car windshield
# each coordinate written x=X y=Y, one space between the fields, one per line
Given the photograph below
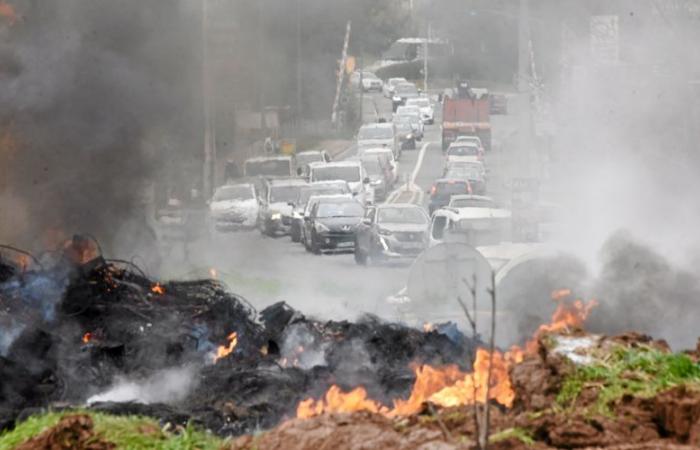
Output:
x=350 y=174
x=306 y=158
x=451 y=187
x=268 y=167
x=369 y=76
x=402 y=215
x=403 y=89
x=404 y=126
x=395 y=81
x=344 y=209
x=472 y=203
x=284 y=194
x=470 y=173
x=372 y=166
x=419 y=102
x=408 y=111
x=306 y=193
x=463 y=150
x=473 y=139
x=375 y=133
x=242 y=192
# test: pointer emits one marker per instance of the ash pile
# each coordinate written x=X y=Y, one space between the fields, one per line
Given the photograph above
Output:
x=79 y=329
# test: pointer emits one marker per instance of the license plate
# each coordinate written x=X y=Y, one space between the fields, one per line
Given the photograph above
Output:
x=345 y=244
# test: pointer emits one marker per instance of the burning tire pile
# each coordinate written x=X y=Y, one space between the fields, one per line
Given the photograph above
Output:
x=87 y=333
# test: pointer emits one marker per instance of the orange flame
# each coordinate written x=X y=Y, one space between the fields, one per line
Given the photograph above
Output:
x=158 y=289
x=87 y=337
x=8 y=12
x=336 y=400
x=448 y=386
x=428 y=327
x=213 y=273
x=225 y=350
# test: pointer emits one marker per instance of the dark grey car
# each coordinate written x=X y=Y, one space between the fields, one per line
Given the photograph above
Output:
x=389 y=231
x=332 y=224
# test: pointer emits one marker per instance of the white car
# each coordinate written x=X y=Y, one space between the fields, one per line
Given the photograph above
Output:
x=303 y=159
x=370 y=82
x=391 y=84
x=234 y=207
x=427 y=113
x=387 y=155
x=415 y=114
x=463 y=152
x=350 y=171
x=374 y=135
x=473 y=225
x=474 y=139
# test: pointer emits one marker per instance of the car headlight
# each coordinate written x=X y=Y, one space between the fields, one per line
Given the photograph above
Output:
x=409 y=136
x=376 y=182
x=276 y=216
x=320 y=228
x=384 y=232
x=396 y=99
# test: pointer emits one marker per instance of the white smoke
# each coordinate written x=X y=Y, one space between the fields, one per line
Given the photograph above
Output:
x=165 y=386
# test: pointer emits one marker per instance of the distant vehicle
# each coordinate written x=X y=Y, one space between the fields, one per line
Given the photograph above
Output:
x=403 y=92
x=471 y=201
x=427 y=113
x=473 y=226
x=470 y=172
x=379 y=174
x=303 y=159
x=269 y=166
x=460 y=169
x=405 y=131
x=370 y=82
x=350 y=171
x=373 y=135
x=390 y=85
x=234 y=207
x=275 y=215
x=388 y=156
x=469 y=139
x=466 y=113
x=337 y=187
x=391 y=231
x=416 y=122
x=443 y=189
x=464 y=152
x=332 y=224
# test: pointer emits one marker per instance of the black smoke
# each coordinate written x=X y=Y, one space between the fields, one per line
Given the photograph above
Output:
x=89 y=91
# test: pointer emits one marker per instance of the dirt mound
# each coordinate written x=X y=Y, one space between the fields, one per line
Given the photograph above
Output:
x=70 y=433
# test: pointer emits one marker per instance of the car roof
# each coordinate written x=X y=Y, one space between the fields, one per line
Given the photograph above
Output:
x=399 y=205
x=327 y=182
x=287 y=181
x=450 y=180
x=269 y=158
x=251 y=185
x=310 y=152
x=338 y=198
x=471 y=197
x=347 y=163
x=463 y=144
x=377 y=151
x=377 y=125
x=472 y=212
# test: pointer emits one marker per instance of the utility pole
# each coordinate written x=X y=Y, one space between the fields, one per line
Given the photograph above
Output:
x=261 y=67
x=523 y=45
x=425 y=59
x=341 y=74
x=299 y=61
x=362 y=87
x=207 y=173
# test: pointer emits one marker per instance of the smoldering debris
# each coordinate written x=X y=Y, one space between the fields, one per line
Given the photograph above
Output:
x=120 y=341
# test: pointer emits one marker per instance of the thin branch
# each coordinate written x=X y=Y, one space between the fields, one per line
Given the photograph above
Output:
x=484 y=438
x=445 y=431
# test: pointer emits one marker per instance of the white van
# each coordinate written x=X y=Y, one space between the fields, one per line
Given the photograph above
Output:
x=473 y=226
x=351 y=171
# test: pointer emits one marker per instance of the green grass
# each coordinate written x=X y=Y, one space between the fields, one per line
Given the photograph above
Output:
x=512 y=433
x=128 y=433
x=641 y=372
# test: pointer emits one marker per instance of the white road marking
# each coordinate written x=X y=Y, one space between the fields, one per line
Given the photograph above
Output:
x=410 y=185
x=419 y=163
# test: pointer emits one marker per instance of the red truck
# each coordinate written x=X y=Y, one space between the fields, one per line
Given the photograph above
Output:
x=466 y=112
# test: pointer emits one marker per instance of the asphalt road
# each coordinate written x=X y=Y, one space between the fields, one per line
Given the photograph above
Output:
x=266 y=270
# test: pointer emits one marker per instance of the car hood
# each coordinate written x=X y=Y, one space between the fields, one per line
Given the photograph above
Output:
x=405 y=227
x=375 y=142
x=282 y=208
x=338 y=223
x=228 y=205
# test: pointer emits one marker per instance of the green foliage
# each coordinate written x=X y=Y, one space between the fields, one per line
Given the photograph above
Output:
x=127 y=432
x=512 y=433
x=641 y=372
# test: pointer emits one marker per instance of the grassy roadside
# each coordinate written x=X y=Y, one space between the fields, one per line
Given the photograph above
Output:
x=125 y=432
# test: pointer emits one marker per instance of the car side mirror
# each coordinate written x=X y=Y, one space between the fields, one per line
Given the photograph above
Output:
x=367 y=221
x=290 y=204
x=366 y=180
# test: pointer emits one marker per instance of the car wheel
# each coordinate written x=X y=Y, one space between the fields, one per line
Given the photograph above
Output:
x=315 y=248
x=360 y=256
x=295 y=233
